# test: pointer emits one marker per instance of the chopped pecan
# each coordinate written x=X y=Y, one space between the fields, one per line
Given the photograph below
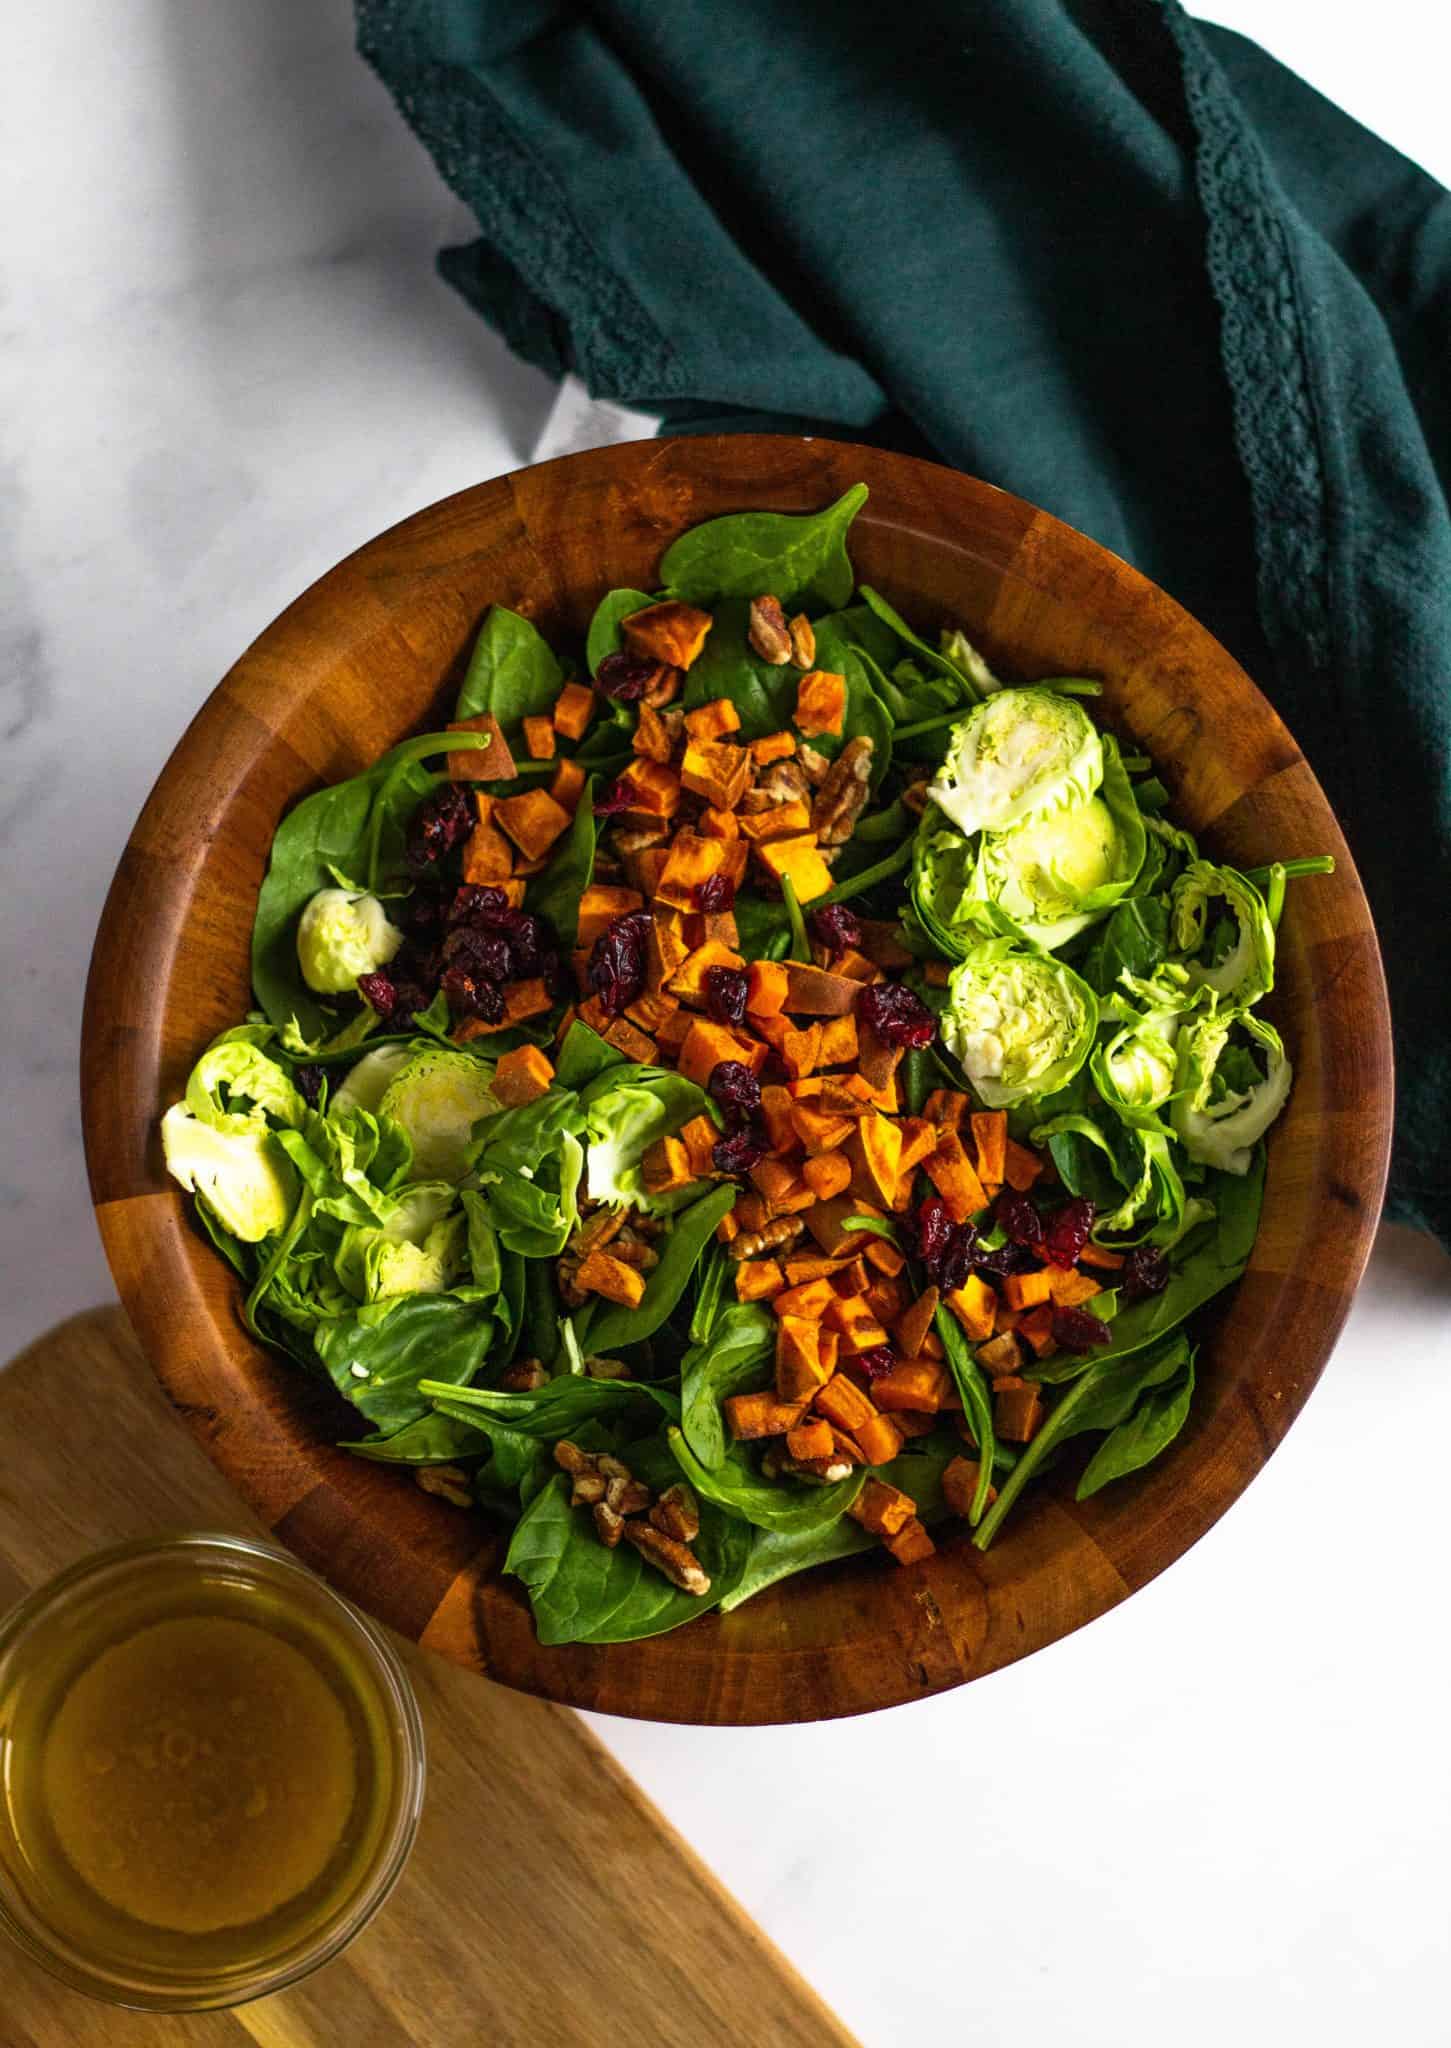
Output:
x=570 y=1458
x=803 y=641
x=674 y=724
x=524 y=1376
x=784 y=782
x=627 y=1496
x=774 y=1237
x=768 y=632
x=816 y=764
x=914 y=796
x=841 y=798
x=676 y=1560
x=631 y=1250
x=588 y=1491
x=607 y=1368
x=677 y=1513
x=570 y=1293
x=662 y=689
x=609 y=1526
x=596 y=1230
x=631 y=839
x=817 y=1471
x=448 y=1482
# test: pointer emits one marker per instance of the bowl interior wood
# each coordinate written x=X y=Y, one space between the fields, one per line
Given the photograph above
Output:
x=375 y=650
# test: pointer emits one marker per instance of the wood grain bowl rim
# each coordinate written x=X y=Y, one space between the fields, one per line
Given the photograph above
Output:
x=860 y=1635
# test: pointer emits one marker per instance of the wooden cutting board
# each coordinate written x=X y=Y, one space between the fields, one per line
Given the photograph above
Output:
x=546 y=1901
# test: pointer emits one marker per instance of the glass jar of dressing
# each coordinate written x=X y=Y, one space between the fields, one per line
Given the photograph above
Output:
x=211 y=1769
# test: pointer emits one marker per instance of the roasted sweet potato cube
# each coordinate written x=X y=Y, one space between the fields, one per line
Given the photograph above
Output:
x=875 y=1152
x=650 y=1012
x=911 y=1424
x=522 y=1076
x=885 y=1298
x=627 y=1038
x=782 y=821
x=826 y=1223
x=691 y=861
x=990 y=1142
x=777 y=1180
x=841 y=1401
x=851 y=1276
x=670 y=631
x=1036 y=1326
x=852 y=1318
x=975 y=1306
x=839 y=1043
x=820 y=1132
x=727 y=1230
x=750 y=1210
x=798 y=858
x=827 y=1174
x=1100 y=1256
x=665 y=1165
x=650 y=738
x=1069 y=1289
x=566 y=785
x=718 y=771
x=803 y=1266
x=776 y=1109
x=523 y=1000
x=756 y=1415
x=959 y=1485
x=775 y=746
x=805 y=1088
x=861 y=1089
x=717 y=824
x=600 y=905
x=801 y=1051
x=533 y=821
x=672 y=1034
x=706 y=1044
x=689 y=979
x=1026 y=1290
x=919 y=1138
x=810 y=1440
x=758 y=1279
x=809 y=1301
x=488 y=856
x=880 y=1440
x=813 y=992
x=665 y=949
x=916 y=1383
x=855 y=966
x=539 y=738
x=714 y=720
x=601 y=1273
x=700 y=1138
x=882 y=944
x=914 y=1322
x=945 y=1106
x=1003 y=1357
x=574 y=710
x=882 y=1508
x=950 y=1172
x=877 y=1061
x=799 y=1368
x=653 y=789
x=1020 y=1166
x=820 y=703
x=1017 y=1410
x=493 y=763
x=911 y=1543
x=766 y=984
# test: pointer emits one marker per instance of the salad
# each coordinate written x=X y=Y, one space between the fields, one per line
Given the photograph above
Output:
x=751 y=1089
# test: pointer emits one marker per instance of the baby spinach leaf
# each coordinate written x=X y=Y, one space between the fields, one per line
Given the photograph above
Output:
x=738 y=1490
x=615 y=1328
x=977 y=1404
x=779 y=1554
x=800 y=558
x=604 y=627
x=728 y=666
x=1156 y=1421
x=528 y=1162
x=917 y=1471
x=432 y=1440
x=555 y=894
x=734 y=1359
x=512 y=672
x=936 y=661
x=708 y=1293
x=1134 y=940
x=380 y=1357
x=583 y=1056
x=556 y=1409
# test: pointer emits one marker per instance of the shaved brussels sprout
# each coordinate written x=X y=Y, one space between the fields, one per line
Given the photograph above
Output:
x=626 y=1110
x=239 y=1173
x=1247 y=970
x=438 y=1097
x=1022 y=1024
x=368 y=1082
x=1136 y=1069
x=341 y=935
x=417 y=1211
x=1222 y=1129
x=1053 y=876
x=244 y=1070
x=1019 y=755
x=391 y=1269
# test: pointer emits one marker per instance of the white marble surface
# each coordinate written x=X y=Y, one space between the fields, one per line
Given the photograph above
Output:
x=224 y=361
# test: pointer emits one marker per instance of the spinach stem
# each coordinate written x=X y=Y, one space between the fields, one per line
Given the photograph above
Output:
x=1311 y=864
x=867 y=879
x=800 y=943
x=417 y=749
x=910 y=732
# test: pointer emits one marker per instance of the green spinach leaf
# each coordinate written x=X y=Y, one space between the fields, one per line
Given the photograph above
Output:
x=512 y=672
x=604 y=628
x=555 y=1410
x=432 y=1440
x=616 y=1328
x=779 y=1554
x=736 y=1489
x=1161 y=1413
x=380 y=1357
x=555 y=893
x=734 y=1359
x=800 y=558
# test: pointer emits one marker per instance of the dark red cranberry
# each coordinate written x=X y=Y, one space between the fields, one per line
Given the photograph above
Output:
x=725 y=994
x=378 y=991
x=439 y=823
x=470 y=995
x=424 y=913
x=736 y=1089
x=625 y=677
x=478 y=903
x=876 y=1362
x=1074 y=1329
x=1065 y=1232
x=946 y=1249
x=716 y=892
x=483 y=954
x=618 y=797
x=617 y=962
x=1004 y=1259
x=1019 y=1219
x=309 y=1084
x=896 y=1015
x=836 y=927
x=530 y=942
x=1145 y=1272
x=742 y=1150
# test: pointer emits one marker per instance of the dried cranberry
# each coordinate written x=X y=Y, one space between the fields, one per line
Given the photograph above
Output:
x=424 y=913
x=439 y=823
x=725 y=994
x=309 y=1084
x=478 y=903
x=876 y=1362
x=1074 y=1329
x=742 y=1150
x=716 y=892
x=736 y=1089
x=946 y=1249
x=836 y=927
x=625 y=677
x=482 y=954
x=531 y=942
x=1019 y=1219
x=471 y=996
x=1003 y=1259
x=896 y=1015
x=617 y=962
x=1065 y=1232
x=618 y=797
x=1146 y=1272
x=378 y=993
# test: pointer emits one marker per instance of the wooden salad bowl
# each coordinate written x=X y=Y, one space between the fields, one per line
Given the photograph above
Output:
x=375 y=650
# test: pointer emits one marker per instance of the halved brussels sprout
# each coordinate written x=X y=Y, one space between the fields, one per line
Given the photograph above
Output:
x=235 y=1063
x=417 y=1211
x=1022 y=1024
x=1136 y=1069
x=1053 y=876
x=438 y=1097
x=368 y=1082
x=1247 y=970
x=1021 y=754
x=239 y=1173
x=1222 y=1129
x=341 y=935
x=626 y=1110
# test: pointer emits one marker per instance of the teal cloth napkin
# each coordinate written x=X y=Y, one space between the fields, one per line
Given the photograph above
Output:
x=1115 y=260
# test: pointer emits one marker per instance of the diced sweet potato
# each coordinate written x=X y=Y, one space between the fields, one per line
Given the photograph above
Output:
x=601 y=1273
x=665 y=1165
x=776 y=1115
x=706 y=1044
x=826 y=1223
x=911 y=1543
x=882 y=1508
x=810 y=876
x=877 y=1061
x=566 y=785
x=875 y=1152
x=627 y=1038
x=820 y=1132
x=839 y=1043
x=975 y=1306
x=918 y=1384
x=1020 y=1166
x=809 y=1301
x=919 y=1138
x=493 y=763
x=1036 y=1326
x=522 y=1076
x=689 y=979
x=803 y=1266
x=651 y=1012
x=881 y=943
x=700 y=1138
x=727 y=1230
x=756 y=1415
x=1017 y=1411
x=851 y=1276
x=858 y=1328
x=533 y=821
x=910 y=1424
x=758 y=1279
x=653 y=790
x=776 y=1180
x=951 y=1173
x=718 y=771
x=782 y=821
x=670 y=631
x=841 y=1401
x=766 y=985
x=600 y=905
x=800 y=1051
x=673 y=1033
x=813 y=992
x=820 y=703
x=488 y=856
x=650 y=738
x=1003 y=1356
x=959 y=1485
x=574 y=710
x=714 y=720
x=855 y=966
x=665 y=949
x=775 y=746
x=827 y=1174
x=810 y=1440
x=717 y=824
x=990 y=1142
x=800 y=1371
x=914 y=1322
x=539 y=738
x=522 y=1000
x=1099 y=1255
x=1026 y=1290
x=880 y=1440
x=945 y=1106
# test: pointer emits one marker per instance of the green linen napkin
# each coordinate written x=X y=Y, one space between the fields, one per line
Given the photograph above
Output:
x=1116 y=260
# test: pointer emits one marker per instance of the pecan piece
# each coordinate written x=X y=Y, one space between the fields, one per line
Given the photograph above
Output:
x=768 y=632
x=676 y=1560
x=803 y=641
x=677 y=1513
x=448 y=1482
x=607 y=1368
x=774 y=1237
x=784 y=782
x=816 y=765
x=524 y=1376
x=662 y=689
x=609 y=1526
x=914 y=796
x=595 y=1231
x=842 y=797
